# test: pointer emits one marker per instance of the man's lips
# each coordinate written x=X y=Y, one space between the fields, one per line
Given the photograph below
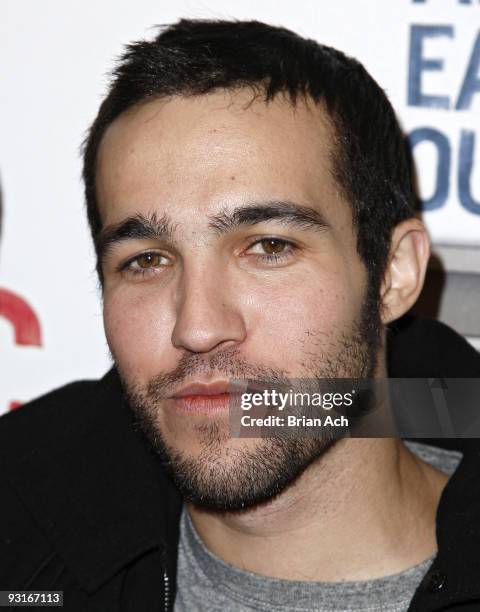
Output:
x=204 y=397
x=202 y=389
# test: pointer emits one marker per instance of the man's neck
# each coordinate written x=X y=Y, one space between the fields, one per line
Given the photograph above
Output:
x=366 y=509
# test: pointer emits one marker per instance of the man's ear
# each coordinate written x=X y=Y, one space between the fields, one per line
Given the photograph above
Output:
x=405 y=271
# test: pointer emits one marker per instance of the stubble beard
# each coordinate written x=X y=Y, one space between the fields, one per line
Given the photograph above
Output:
x=222 y=478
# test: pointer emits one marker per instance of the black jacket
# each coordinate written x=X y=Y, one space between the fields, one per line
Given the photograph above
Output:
x=86 y=508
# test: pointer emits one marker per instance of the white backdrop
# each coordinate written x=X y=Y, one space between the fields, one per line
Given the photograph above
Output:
x=55 y=58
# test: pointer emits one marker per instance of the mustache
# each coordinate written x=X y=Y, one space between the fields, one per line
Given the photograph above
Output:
x=228 y=363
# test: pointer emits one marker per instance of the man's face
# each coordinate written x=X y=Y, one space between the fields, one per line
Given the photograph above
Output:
x=238 y=260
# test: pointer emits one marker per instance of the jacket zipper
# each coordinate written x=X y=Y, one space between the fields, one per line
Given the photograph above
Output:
x=166 y=591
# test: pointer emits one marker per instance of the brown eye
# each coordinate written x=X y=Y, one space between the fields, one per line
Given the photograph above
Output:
x=271 y=251
x=273 y=246
x=149 y=260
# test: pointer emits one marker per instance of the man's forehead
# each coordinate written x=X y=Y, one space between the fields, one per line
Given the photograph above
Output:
x=243 y=106
x=221 y=145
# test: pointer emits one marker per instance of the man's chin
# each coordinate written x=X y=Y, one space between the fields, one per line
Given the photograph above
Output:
x=217 y=472
x=236 y=475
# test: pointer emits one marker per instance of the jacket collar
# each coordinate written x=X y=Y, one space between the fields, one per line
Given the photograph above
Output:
x=79 y=478
x=454 y=575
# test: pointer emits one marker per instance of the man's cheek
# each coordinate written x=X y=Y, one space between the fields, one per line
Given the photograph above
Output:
x=138 y=334
x=294 y=308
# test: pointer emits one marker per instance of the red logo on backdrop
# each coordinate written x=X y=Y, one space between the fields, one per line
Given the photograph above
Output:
x=24 y=320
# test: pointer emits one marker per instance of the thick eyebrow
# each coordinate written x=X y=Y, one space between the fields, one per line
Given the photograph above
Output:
x=136 y=227
x=303 y=217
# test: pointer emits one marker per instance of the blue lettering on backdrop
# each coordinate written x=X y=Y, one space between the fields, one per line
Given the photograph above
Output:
x=471 y=82
x=418 y=64
x=465 y=170
x=442 y=145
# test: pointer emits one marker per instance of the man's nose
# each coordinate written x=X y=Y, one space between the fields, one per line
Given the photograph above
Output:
x=208 y=313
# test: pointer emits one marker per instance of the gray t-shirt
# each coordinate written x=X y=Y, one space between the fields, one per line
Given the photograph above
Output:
x=205 y=583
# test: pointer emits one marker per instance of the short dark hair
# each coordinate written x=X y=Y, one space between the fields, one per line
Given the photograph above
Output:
x=369 y=156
